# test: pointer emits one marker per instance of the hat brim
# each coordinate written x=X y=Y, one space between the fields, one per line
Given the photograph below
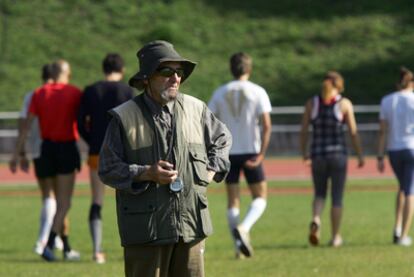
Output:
x=137 y=81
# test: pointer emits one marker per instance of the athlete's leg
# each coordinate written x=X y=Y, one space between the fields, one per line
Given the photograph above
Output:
x=399 y=209
x=408 y=186
x=258 y=205
x=47 y=213
x=233 y=209
x=63 y=191
x=338 y=169
x=95 y=218
x=320 y=186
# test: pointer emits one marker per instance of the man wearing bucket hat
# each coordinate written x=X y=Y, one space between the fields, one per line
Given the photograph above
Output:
x=160 y=152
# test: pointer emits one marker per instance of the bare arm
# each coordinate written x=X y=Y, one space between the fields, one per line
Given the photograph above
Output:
x=348 y=112
x=304 y=132
x=266 y=132
x=19 y=151
x=381 y=145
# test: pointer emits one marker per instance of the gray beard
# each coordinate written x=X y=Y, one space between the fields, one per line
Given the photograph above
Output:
x=166 y=97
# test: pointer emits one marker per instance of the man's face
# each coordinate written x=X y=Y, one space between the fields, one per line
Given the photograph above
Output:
x=164 y=83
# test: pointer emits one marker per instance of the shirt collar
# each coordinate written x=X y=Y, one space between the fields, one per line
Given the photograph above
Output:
x=155 y=107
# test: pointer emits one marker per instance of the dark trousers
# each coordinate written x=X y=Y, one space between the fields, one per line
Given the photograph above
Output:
x=179 y=259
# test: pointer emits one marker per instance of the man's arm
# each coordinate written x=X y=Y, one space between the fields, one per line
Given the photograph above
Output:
x=19 y=154
x=266 y=132
x=113 y=168
x=117 y=173
x=218 y=142
x=381 y=145
x=348 y=112
x=304 y=132
x=84 y=119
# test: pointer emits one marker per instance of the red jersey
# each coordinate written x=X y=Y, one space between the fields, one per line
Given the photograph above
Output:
x=56 y=105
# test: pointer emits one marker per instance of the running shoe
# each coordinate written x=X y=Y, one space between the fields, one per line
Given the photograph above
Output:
x=39 y=247
x=71 y=255
x=314 y=233
x=243 y=241
x=99 y=258
x=48 y=254
x=405 y=241
x=337 y=242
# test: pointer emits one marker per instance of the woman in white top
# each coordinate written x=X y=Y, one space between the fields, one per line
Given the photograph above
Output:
x=397 y=136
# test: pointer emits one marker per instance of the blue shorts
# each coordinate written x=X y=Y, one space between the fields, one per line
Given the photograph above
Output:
x=253 y=176
x=402 y=163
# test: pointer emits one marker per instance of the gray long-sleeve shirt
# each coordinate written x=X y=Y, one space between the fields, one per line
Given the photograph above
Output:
x=115 y=172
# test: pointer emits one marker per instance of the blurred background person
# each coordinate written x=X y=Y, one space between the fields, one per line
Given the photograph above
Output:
x=328 y=112
x=56 y=106
x=34 y=143
x=243 y=106
x=93 y=119
x=396 y=135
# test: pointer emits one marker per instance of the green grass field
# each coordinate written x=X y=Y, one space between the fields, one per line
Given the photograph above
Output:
x=279 y=238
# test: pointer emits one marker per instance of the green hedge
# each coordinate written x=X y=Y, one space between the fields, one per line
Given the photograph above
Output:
x=293 y=42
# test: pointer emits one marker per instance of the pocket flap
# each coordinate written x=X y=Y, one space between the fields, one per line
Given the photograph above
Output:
x=203 y=200
x=201 y=157
x=135 y=204
x=127 y=209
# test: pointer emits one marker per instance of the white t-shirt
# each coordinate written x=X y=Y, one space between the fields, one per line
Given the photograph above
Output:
x=239 y=105
x=34 y=141
x=397 y=109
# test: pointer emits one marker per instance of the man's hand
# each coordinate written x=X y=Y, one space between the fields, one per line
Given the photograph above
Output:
x=210 y=175
x=162 y=172
x=21 y=160
x=24 y=164
x=380 y=165
x=13 y=164
x=254 y=162
x=307 y=160
x=361 y=162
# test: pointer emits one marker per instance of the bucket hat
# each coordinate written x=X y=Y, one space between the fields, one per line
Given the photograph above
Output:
x=151 y=56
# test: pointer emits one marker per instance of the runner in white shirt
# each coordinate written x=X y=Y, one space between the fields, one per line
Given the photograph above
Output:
x=397 y=136
x=243 y=106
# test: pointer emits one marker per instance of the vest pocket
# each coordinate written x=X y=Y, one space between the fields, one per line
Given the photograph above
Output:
x=199 y=163
x=204 y=213
x=137 y=220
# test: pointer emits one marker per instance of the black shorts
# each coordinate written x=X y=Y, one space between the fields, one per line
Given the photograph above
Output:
x=253 y=176
x=57 y=158
x=38 y=168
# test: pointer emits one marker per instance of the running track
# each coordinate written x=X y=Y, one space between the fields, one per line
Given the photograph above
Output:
x=276 y=169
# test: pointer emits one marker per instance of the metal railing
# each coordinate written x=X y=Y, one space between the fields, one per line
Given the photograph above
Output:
x=277 y=128
x=298 y=110
x=285 y=130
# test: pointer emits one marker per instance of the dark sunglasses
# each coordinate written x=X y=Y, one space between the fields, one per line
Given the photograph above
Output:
x=168 y=71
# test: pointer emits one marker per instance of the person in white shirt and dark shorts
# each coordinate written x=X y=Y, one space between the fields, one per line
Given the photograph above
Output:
x=243 y=106
x=397 y=137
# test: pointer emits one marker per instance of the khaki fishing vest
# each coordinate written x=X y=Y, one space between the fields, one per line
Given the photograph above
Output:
x=157 y=215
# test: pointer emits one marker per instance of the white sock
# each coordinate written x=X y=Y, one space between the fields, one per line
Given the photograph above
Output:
x=46 y=218
x=95 y=227
x=398 y=231
x=256 y=210
x=233 y=215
